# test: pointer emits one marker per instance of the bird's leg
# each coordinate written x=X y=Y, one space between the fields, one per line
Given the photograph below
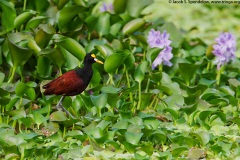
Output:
x=60 y=107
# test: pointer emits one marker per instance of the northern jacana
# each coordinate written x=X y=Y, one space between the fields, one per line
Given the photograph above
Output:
x=72 y=82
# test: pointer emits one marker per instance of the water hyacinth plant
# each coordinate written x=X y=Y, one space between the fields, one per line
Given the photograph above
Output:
x=128 y=110
x=156 y=39
x=225 y=49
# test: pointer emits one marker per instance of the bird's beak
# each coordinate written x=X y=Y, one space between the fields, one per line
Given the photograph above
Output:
x=95 y=59
x=98 y=61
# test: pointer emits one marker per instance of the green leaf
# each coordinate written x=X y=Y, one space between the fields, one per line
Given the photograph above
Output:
x=110 y=89
x=22 y=89
x=133 y=25
x=103 y=24
x=12 y=103
x=195 y=153
x=39 y=118
x=134 y=7
x=158 y=135
x=58 y=116
x=179 y=150
x=43 y=66
x=100 y=100
x=103 y=124
x=133 y=138
x=67 y=14
x=96 y=132
x=19 y=54
x=72 y=46
x=7 y=17
x=35 y=21
x=2 y=76
x=151 y=124
x=152 y=53
x=44 y=34
x=17 y=113
x=115 y=60
x=175 y=34
x=119 y=6
x=187 y=71
x=23 y=18
x=120 y=125
x=115 y=28
x=105 y=50
x=140 y=71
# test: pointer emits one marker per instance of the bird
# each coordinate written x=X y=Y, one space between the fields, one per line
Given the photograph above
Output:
x=72 y=82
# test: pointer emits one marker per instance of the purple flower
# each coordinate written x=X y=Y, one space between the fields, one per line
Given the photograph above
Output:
x=163 y=57
x=156 y=39
x=106 y=7
x=225 y=48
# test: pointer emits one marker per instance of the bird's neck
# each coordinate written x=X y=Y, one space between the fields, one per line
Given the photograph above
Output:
x=85 y=73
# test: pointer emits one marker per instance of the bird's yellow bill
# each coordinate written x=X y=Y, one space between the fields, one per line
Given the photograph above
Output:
x=95 y=59
x=98 y=61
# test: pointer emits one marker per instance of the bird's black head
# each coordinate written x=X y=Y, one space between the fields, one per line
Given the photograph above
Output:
x=91 y=58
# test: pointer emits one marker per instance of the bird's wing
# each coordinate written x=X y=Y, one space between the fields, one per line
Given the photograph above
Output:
x=67 y=84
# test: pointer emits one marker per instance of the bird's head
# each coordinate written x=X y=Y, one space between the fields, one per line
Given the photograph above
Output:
x=91 y=58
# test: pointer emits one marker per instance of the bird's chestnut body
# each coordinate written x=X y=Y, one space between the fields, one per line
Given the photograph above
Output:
x=72 y=82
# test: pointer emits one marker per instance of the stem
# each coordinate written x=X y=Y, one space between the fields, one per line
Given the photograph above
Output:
x=154 y=99
x=129 y=85
x=24 y=5
x=13 y=70
x=208 y=66
x=111 y=79
x=64 y=131
x=14 y=123
x=218 y=77
x=139 y=96
x=147 y=87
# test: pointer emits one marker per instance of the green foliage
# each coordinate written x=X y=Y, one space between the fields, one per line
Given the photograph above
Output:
x=128 y=111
